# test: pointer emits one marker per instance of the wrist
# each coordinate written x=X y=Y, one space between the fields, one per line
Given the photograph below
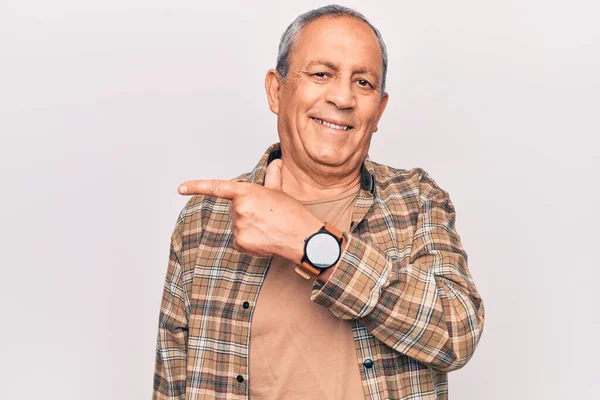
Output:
x=296 y=242
x=322 y=251
x=324 y=276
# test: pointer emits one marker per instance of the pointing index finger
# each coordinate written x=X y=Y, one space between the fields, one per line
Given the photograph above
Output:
x=217 y=188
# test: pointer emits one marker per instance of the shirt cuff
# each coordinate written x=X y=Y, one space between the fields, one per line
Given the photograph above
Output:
x=354 y=287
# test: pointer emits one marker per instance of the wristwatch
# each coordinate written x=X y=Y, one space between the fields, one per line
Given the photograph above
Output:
x=322 y=250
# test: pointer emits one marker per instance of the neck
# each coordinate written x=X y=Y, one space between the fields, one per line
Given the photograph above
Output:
x=311 y=185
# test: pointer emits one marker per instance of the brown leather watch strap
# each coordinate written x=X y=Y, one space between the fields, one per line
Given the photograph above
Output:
x=305 y=269
x=334 y=231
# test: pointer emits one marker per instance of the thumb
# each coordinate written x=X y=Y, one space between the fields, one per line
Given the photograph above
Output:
x=273 y=176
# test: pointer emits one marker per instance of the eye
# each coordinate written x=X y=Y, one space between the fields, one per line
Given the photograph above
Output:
x=321 y=74
x=364 y=83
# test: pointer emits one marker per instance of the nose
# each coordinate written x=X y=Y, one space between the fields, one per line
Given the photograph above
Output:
x=340 y=94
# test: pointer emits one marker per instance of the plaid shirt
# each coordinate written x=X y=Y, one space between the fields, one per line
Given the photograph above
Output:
x=403 y=281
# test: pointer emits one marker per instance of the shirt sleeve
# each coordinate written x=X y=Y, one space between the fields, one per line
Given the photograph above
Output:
x=171 y=346
x=426 y=307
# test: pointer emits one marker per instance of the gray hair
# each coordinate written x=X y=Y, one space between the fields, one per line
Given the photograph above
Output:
x=290 y=36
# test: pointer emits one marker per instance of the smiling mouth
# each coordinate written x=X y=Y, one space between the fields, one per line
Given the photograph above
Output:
x=333 y=126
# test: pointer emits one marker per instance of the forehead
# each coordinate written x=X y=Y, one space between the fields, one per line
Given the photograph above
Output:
x=345 y=41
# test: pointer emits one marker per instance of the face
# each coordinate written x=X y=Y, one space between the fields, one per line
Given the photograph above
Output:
x=331 y=101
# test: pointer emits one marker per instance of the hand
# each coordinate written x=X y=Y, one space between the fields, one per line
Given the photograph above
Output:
x=265 y=220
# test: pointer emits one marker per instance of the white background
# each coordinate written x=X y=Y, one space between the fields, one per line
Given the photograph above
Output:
x=105 y=107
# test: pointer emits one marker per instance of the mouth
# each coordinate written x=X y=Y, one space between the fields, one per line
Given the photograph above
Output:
x=332 y=125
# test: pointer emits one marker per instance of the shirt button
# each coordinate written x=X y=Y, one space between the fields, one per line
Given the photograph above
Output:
x=368 y=363
x=240 y=378
x=246 y=304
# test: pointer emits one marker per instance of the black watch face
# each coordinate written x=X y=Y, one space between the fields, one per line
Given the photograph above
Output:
x=322 y=250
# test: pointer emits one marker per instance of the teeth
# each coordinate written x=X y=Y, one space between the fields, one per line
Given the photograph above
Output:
x=334 y=126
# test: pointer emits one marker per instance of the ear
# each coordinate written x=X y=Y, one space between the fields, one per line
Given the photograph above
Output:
x=273 y=86
x=382 y=105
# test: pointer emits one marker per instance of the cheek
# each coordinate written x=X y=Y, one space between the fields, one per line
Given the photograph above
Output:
x=305 y=96
x=369 y=114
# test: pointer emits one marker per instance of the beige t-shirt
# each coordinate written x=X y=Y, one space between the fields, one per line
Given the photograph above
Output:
x=298 y=349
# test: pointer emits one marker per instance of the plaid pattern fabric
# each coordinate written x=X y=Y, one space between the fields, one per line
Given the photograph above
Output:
x=403 y=280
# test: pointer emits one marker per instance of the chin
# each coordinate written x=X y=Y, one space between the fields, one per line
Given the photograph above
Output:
x=327 y=155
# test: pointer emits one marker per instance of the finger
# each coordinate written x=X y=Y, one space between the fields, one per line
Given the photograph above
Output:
x=216 y=188
x=273 y=179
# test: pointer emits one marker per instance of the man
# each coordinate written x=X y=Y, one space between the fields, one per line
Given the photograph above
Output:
x=320 y=274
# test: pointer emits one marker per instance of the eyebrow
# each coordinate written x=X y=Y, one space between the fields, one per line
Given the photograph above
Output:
x=330 y=65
